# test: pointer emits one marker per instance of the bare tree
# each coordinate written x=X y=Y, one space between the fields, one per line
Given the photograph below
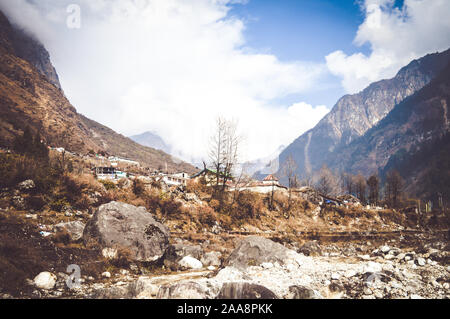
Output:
x=348 y=183
x=374 y=189
x=394 y=184
x=223 y=153
x=289 y=170
x=327 y=183
x=360 y=188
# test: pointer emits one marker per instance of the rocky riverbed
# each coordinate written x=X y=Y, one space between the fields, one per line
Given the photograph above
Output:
x=133 y=256
x=261 y=268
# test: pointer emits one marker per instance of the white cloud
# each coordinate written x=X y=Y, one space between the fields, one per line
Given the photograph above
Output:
x=172 y=66
x=396 y=36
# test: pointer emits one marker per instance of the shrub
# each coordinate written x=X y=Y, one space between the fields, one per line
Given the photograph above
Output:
x=138 y=187
x=109 y=185
x=36 y=202
x=59 y=204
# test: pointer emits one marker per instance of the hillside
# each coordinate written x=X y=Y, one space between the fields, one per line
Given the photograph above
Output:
x=353 y=115
x=30 y=96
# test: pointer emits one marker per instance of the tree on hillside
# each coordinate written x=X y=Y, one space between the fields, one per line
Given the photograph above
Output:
x=30 y=145
x=394 y=184
x=348 y=183
x=327 y=183
x=374 y=189
x=360 y=188
x=224 y=153
x=289 y=170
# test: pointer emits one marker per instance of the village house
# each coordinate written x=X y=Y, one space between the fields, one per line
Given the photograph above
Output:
x=177 y=179
x=108 y=173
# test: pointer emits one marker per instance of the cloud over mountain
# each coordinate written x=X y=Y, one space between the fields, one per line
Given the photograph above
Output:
x=396 y=35
x=172 y=66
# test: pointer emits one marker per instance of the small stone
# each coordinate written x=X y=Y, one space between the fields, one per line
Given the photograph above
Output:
x=45 y=280
x=211 y=268
x=267 y=265
x=350 y=273
x=106 y=274
x=378 y=295
x=190 y=263
x=367 y=291
x=385 y=249
x=421 y=261
x=401 y=256
x=335 y=276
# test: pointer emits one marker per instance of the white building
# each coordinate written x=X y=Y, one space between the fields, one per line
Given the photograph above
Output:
x=177 y=179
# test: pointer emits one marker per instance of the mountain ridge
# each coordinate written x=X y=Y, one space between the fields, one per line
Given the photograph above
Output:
x=353 y=115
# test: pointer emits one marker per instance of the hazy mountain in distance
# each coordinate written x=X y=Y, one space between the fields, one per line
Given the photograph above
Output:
x=151 y=139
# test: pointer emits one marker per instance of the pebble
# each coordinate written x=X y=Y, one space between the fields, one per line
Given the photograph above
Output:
x=421 y=261
x=335 y=276
x=106 y=274
x=385 y=249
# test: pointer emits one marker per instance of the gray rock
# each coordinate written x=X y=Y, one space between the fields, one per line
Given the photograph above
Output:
x=211 y=259
x=75 y=229
x=310 y=248
x=189 y=262
x=254 y=250
x=114 y=292
x=301 y=292
x=244 y=290
x=182 y=250
x=421 y=261
x=185 y=290
x=176 y=252
x=120 y=225
x=45 y=280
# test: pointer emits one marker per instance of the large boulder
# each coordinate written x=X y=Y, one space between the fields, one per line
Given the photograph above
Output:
x=75 y=229
x=254 y=251
x=245 y=290
x=211 y=259
x=119 y=225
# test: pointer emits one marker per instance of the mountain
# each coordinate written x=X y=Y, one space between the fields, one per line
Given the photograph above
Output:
x=30 y=95
x=353 y=115
x=152 y=140
x=414 y=138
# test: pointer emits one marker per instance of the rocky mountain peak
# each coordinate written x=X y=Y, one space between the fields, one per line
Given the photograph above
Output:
x=353 y=115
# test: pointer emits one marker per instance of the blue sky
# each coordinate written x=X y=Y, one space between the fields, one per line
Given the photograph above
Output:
x=306 y=30
x=277 y=67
